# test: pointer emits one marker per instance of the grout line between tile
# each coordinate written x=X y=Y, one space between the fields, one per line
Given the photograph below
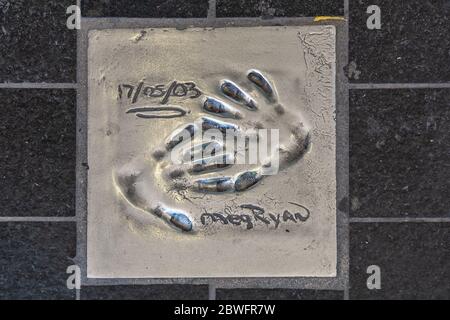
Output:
x=399 y=220
x=347 y=92
x=41 y=85
x=212 y=10
x=211 y=291
x=346 y=11
x=38 y=219
x=81 y=134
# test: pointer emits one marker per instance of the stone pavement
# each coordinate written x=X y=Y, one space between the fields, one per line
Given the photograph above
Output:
x=395 y=216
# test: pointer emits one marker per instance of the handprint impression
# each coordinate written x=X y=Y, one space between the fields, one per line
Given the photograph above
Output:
x=187 y=159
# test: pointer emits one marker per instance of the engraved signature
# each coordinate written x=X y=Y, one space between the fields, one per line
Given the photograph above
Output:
x=252 y=214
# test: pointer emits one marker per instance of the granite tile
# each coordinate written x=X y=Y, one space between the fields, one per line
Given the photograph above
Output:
x=37 y=163
x=35 y=42
x=278 y=294
x=279 y=8
x=412 y=45
x=145 y=8
x=399 y=151
x=414 y=260
x=34 y=257
x=145 y=292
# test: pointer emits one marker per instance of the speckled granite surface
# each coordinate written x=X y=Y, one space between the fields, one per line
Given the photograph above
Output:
x=279 y=8
x=412 y=45
x=414 y=259
x=145 y=8
x=35 y=43
x=278 y=294
x=145 y=292
x=37 y=162
x=399 y=153
x=34 y=257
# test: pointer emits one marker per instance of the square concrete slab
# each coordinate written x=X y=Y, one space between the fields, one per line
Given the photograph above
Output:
x=278 y=294
x=152 y=217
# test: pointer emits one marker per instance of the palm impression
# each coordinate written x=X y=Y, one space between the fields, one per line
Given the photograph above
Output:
x=220 y=152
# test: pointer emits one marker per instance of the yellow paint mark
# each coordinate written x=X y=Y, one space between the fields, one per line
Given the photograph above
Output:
x=327 y=18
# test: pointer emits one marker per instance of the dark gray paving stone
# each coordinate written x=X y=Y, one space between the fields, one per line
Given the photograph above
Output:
x=399 y=151
x=37 y=162
x=412 y=45
x=414 y=259
x=278 y=294
x=145 y=8
x=148 y=292
x=279 y=8
x=35 y=42
x=34 y=257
